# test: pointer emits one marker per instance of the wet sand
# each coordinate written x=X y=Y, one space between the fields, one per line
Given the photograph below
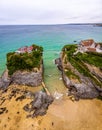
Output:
x=63 y=114
x=81 y=115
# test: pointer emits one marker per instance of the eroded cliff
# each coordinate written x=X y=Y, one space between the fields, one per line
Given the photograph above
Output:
x=81 y=72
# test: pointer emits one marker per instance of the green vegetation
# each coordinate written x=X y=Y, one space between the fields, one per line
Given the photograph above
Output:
x=72 y=75
x=39 y=48
x=69 y=49
x=24 y=61
x=91 y=58
x=78 y=61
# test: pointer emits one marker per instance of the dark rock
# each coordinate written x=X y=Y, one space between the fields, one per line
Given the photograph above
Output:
x=4 y=83
x=75 y=41
x=29 y=94
x=59 y=64
x=4 y=90
x=27 y=78
x=9 y=118
x=6 y=111
x=2 y=101
x=85 y=89
x=28 y=116
x=10 y=97
x=77 y=98
x=26 y=108
x=101 y=94
x=52 y=123
x=18 y=112
x=4 y=80
x=41 y=98
x=30 y=78
x=39 y=112
x=5 y=125
x=39 y=105
x=2 y=110
x=20 y=98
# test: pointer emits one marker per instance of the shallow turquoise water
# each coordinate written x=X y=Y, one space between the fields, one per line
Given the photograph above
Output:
x=51 y=37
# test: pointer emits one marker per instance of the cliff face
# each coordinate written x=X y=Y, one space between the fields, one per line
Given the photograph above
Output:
x=5 y=80
x=27 y=78
x=83 y=80
x=83 y=89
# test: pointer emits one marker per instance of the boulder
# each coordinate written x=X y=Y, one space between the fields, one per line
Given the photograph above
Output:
x=39 y=105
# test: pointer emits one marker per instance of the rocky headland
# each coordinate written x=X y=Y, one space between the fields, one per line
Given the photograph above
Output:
x=81 y=70
x=22 y=81
x=24 y=67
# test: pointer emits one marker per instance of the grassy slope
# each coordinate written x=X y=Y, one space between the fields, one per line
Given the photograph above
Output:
x=78 y=61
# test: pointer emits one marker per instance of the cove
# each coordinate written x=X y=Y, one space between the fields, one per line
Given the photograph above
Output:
x=52 y=76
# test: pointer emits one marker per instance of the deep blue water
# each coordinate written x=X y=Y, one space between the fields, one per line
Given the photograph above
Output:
x=51 y=37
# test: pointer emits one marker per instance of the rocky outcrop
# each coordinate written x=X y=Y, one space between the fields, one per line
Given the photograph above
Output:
x=4 y=83
x=22 y=78
x=39 y=105
x=4 y=80
x=35 y=103
x=59 y=64
x=27 y=78
x=85 y=89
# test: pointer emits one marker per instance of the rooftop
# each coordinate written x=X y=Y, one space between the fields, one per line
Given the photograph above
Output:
x=88 y=42
x=25 y=49
x=91 y=49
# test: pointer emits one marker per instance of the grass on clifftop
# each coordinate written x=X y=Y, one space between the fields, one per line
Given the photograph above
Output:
x=78 y=61
x=72 y=75
x=91 y=58
x=24 y=61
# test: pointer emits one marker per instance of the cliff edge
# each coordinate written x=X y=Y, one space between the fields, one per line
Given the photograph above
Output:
x=81 y=71
x=24 y=67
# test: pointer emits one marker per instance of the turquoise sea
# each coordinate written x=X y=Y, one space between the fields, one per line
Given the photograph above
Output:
x=51 y=37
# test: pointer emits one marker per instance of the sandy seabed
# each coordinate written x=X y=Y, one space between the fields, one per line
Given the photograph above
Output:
x=63 y=114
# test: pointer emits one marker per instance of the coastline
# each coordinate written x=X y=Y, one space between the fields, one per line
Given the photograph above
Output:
x=62 y=114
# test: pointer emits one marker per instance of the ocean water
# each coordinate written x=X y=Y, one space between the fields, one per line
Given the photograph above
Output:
x=51 y=37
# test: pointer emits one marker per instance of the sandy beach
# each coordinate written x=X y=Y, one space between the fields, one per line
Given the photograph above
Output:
x=63 y=114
